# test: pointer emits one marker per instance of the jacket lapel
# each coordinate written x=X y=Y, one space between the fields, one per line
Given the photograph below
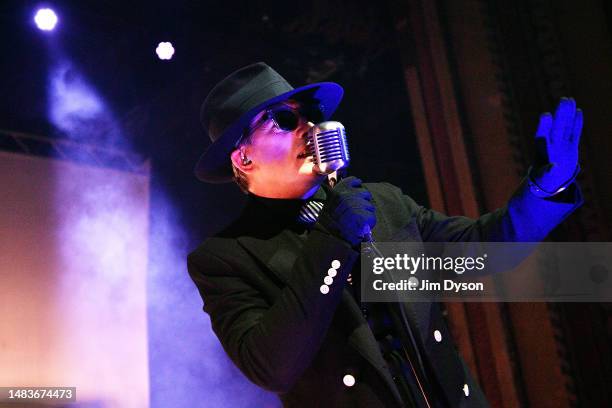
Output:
x=277 y=253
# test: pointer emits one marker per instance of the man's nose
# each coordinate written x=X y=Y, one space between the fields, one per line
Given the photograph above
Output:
x=304 y=128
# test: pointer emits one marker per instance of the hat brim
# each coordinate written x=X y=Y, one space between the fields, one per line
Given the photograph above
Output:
x=214 y=165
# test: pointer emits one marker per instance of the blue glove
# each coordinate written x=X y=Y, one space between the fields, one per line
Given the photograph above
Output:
x=348 y=212
x=557 y=140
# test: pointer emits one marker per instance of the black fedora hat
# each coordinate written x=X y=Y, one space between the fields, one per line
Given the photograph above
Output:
x=236 y=100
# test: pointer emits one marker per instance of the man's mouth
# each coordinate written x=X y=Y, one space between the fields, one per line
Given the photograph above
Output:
x=307 y=151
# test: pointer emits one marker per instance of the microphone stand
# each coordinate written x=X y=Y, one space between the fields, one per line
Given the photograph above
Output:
x=332 y=180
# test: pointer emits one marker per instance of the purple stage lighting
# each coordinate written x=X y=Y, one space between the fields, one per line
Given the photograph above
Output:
x=45 y=19
x=165 y=50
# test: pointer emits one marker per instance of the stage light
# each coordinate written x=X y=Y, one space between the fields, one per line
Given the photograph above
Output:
x=164 y=50
x=45 y=19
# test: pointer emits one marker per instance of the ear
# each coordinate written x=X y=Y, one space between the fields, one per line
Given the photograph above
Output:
x=238 y=157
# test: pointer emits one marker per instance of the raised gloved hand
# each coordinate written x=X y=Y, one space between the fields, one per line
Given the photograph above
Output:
x=348 y=212
x=557 y=140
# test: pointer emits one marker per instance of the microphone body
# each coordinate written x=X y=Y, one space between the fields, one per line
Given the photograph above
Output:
x=327 y=143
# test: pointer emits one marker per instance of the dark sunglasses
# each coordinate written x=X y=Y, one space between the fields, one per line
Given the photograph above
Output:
x=287 y=119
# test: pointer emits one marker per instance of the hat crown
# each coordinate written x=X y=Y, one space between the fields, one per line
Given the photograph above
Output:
x=239 y=93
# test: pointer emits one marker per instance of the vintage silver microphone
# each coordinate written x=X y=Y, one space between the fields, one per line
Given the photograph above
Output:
x=327 y=143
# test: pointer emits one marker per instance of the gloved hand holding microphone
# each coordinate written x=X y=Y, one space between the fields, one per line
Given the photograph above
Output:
x=349 y=212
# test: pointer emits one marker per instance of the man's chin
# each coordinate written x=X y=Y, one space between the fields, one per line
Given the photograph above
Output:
x=307 y=167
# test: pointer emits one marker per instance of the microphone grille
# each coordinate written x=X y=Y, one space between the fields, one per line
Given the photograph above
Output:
x=330 y=147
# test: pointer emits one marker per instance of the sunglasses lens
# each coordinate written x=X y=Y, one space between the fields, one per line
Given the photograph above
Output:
x=286 y=119
x=314 y=115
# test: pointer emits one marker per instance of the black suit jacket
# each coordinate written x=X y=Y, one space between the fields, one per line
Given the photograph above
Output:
x=260 y=284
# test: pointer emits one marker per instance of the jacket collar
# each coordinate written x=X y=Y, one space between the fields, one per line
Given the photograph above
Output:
x=281 y=207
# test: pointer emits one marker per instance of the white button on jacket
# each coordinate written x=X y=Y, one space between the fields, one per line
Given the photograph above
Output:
x=348 y=380
x=437 y=335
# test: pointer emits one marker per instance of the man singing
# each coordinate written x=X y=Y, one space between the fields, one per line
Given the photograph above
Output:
x=278 y=284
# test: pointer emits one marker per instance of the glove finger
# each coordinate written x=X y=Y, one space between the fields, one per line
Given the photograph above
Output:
x=577 y=128
x=542 y=139
x=363 y=211
x=567 y=131
x=365 y=194
x=341 y=188
x=360 y=212
x=370 y=208
x=356 y=206
x=351 y=181
x=366 y=233
x=356 y=193
x=564 y=118
x=371 y=221
x=364 y=214
x=360 y=222
x=358 y=202
x=544 y=126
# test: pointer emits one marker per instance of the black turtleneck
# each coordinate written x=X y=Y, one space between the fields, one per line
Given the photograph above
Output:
x=282 y=212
